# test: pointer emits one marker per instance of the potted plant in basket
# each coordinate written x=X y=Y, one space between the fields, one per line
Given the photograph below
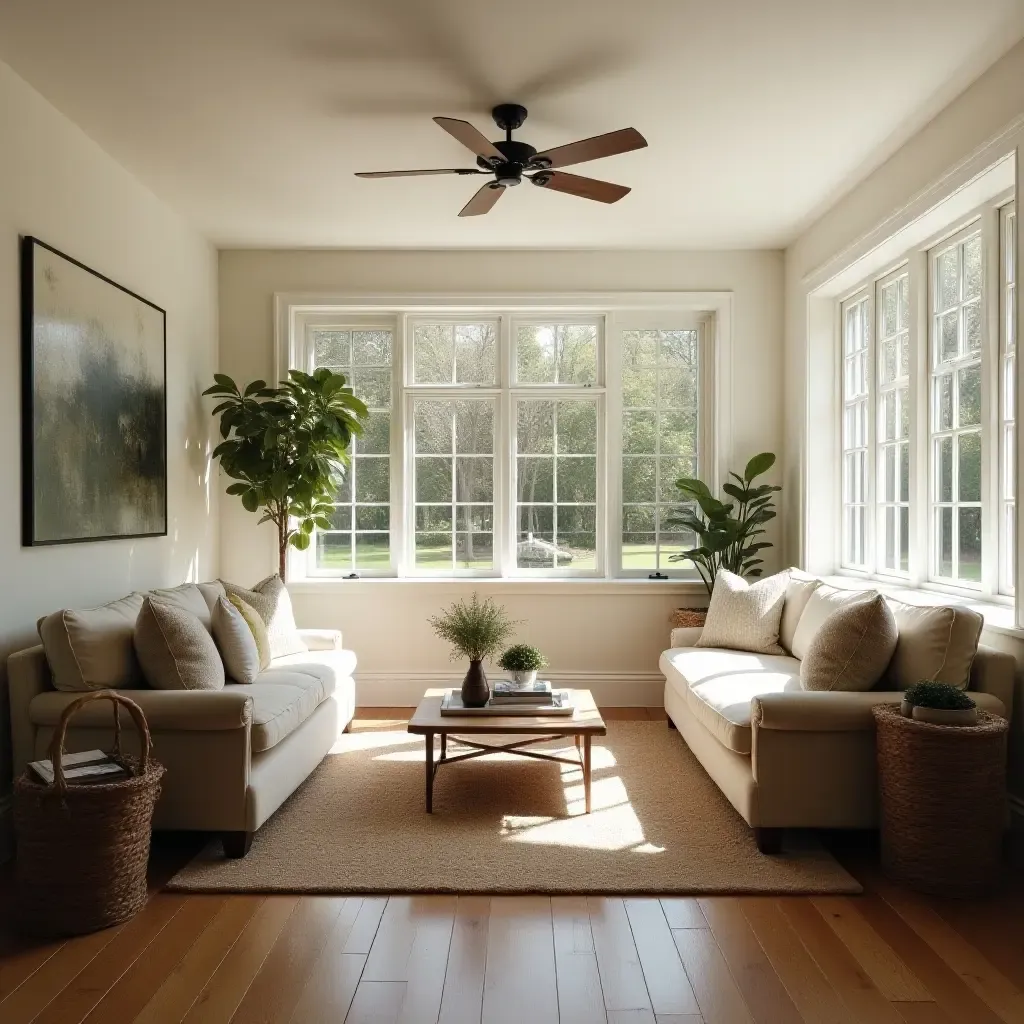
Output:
x=939 y=704
x=522 y=661
x=728 y=532
x=474 y=629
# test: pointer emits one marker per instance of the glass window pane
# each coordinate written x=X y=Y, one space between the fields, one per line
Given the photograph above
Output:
x=640 y=347
x=972 y=327
x=891 y=540
x=638 y=479
x=945 y=469
x=535 y=478
x=372 y=478
x=576 y=431
x=476 y=354
x=334 y=550
x=969 y=466
x=944 y=534
x=904 y=467
x=639 y=388
x=904 y=355
x=474 y=479
x=535 y=427
x=972 y=267
x=639 y=433
x=474 y=550
x=433 y=551
x=434 y=518
x=372 y=517
x=376 y=436
x=889 y=470
x=887 y=416
x=576 y=478
x=332 y=348
x=904 y=318
x=373 y=551
x=947 y=280
x=949 y=335
x=904 y=413
x=969 y=545
x=969 y=388
x=474 y=428
x=1009 y=469
x=556 y=353
x=341 y=517
x=434 y=353
x=890 y=361
x=371 y=348
x=433 y=479
x=373 y=387
x=904 y=539
x=943 y=402
x=890 y=308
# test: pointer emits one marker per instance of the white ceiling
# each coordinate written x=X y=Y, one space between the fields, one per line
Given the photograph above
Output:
x=249 y=116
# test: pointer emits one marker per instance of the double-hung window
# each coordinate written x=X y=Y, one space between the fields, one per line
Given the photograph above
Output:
x=927 y=434
x=515 y=442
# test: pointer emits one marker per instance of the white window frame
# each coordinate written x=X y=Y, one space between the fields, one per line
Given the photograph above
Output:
x=862 y=297
x=615 y=312
x=1008 y=297
x=919 y=264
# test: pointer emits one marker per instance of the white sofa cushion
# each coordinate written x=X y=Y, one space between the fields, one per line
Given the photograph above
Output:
x=935 y=643
x=197 y=598
x=271 y=599
x=294 y=686
x=175 y=650
x=745 y=616
x=798 y=593
x=821 y=603
x=718 y=686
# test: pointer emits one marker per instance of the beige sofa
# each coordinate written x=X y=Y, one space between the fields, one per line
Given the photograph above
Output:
x=785 y=757
x=233 y=756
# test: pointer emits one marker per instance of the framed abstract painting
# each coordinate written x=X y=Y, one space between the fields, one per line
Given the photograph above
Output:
x=94 y=404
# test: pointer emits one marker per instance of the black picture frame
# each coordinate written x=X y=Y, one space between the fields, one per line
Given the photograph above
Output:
x=34 y=252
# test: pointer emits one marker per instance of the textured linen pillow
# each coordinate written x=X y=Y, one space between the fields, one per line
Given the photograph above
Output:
x=270 y=598
x=798 y=593
x=936 y=643
x=236 y=643
x=852 y=648
x=257 y=627
x=91 y=648
x=745 y=616
x=175 y=650
x=821 y=603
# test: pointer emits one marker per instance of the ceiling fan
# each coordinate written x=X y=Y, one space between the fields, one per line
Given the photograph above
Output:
x=509 y=161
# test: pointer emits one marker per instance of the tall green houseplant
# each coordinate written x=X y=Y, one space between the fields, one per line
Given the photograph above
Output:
x=286 y=447
x=728 y=533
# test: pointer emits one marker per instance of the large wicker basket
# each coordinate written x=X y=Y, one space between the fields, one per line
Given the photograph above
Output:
x=943 y=801
x=83 y=849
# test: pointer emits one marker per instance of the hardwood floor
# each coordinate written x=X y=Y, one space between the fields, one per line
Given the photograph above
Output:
x=888 y=956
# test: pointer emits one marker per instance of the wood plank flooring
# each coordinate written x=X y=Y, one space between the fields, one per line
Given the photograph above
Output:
x=888 y=956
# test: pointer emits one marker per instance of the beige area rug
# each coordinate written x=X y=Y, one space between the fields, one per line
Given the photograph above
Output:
x=511 y=825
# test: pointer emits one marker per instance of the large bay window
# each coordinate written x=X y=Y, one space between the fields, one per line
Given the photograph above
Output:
x=929 y=499
x=515 y=442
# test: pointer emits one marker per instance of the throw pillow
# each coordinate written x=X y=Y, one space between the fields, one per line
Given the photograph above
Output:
x=852 y=648
x=270 y=598
x=798 y=593
x=257 y=627
x=935 y=643
x=175 y=650
x=821 y=603
x=235 y=637
x=745 y=616
x=91 y=648
x=189 y=597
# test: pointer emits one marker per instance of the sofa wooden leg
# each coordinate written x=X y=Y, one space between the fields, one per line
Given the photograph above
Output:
x=671 y=724
x=769 y=840
x=236 y=844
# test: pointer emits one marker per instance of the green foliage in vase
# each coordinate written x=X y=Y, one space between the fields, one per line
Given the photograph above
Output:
x=522 y=658
x=728 y=532
x=286 y=448
x=939 y=696
x=474 y=629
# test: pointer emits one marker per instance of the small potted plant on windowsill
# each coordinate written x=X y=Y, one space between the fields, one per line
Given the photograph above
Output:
x=474 y=629
x=522 y=661
x=939 y=704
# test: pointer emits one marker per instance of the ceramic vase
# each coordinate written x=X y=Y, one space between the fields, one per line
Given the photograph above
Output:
x=475 y=691
x=525 y=678
x=946 y=716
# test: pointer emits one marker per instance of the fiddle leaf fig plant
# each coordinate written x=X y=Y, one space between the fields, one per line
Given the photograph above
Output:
x=286 y=448
x=728 y=532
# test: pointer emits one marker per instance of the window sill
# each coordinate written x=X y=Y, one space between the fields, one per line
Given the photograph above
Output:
x=999 y=617
x=692 y=589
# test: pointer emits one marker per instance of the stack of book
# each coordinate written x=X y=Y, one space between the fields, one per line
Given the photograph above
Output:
x=504 y=691
x=92 y=766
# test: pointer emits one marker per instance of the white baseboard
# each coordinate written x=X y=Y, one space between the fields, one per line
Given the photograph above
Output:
x=6 y=828
x=610 y=689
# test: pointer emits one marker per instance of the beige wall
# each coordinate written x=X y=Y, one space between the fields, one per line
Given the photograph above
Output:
x=58 y=185
x=988 y=118
x=612 y=633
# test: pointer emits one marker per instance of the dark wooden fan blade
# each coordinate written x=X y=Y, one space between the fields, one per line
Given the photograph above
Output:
x=409 y=174
x=473 y=140
x=623 y=141
x=585 y=188
x=483 y=200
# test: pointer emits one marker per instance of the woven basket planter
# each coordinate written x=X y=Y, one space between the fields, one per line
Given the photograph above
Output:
x=684 y=618
x=83 y=849
x=943 y=801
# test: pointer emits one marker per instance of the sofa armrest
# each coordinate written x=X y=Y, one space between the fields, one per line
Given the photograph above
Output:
x=686 y=636
x=994 y=672
x=165 y=710
x=321 y=639
x=833 y=711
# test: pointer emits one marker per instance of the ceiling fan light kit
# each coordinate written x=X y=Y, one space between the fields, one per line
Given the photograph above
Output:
x=509 y=160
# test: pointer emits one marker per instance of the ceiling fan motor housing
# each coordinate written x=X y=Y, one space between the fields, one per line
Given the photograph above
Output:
x=517 y=157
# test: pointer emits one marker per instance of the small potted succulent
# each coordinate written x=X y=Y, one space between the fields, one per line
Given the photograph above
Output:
x=522 y=661
x=939 y=704
x=476 y=630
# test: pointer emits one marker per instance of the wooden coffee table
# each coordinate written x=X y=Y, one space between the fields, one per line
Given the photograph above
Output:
x=584 y=724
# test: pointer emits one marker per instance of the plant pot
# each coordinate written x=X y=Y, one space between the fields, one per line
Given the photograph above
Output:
x=525 y=678
x=946 y=716
x=475 y=691
x=689 y=618
x=906 y=709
